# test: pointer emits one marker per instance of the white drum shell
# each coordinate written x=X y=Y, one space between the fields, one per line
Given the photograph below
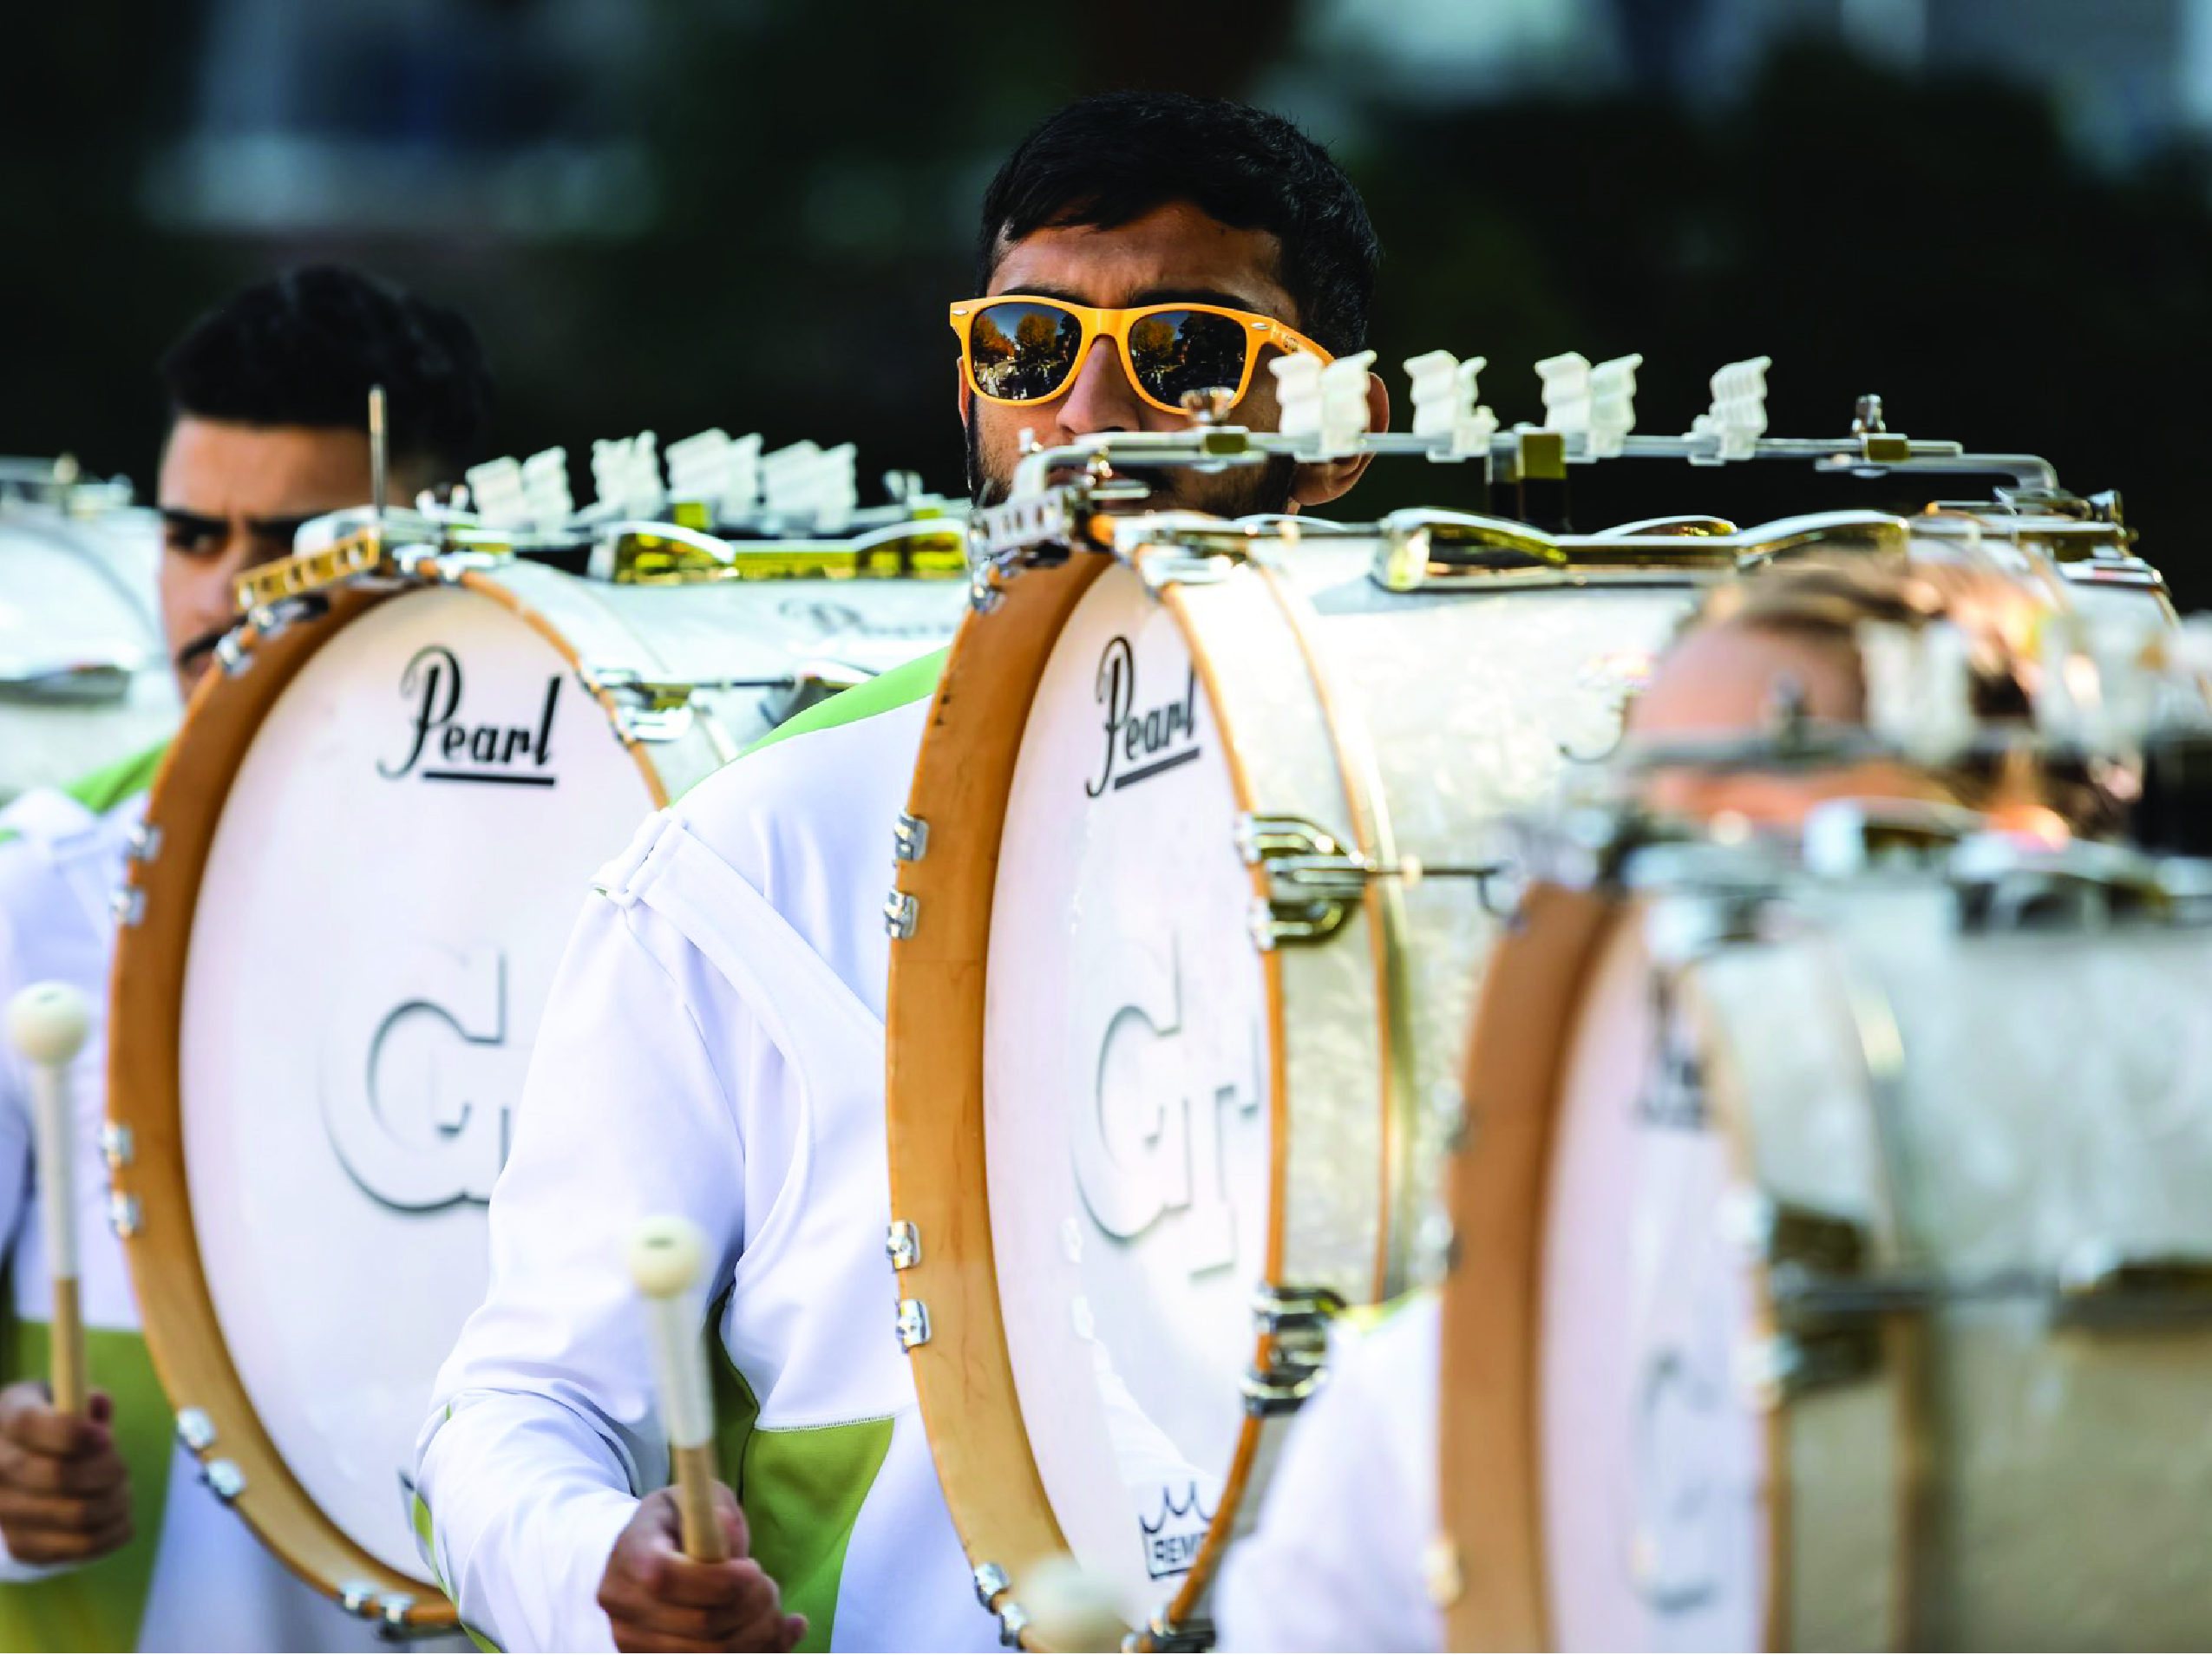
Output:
x=78 y=592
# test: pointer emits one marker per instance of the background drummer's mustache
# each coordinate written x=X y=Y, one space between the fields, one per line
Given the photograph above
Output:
x=204 y=645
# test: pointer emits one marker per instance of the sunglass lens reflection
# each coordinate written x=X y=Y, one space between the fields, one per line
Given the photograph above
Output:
x=1178 y=351
x=1023 y=352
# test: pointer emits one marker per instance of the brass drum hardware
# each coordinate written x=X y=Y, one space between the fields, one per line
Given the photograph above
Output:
x=1314 y=881
x=344 y=558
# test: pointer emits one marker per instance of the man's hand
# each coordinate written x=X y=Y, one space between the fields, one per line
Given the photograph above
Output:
x=660 y=1599
x=65 y=1496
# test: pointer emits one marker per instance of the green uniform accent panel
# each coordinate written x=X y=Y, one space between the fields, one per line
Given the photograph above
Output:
x=102 y=1604
x=800 y=1489
x=107 y=788
x=426 y=1539
x=914 y=681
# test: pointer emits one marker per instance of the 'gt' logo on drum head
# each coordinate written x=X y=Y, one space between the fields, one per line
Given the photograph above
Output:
x=414 y=1058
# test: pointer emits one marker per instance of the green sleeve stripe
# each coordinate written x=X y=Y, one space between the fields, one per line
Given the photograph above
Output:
x=800 y=1490
x=911 y=681
x=1367 y=1317
x=108 y=787
x=102 y=1605
x=426 y=1541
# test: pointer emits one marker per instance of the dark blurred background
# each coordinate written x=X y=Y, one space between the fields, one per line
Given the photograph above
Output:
x=679 y=213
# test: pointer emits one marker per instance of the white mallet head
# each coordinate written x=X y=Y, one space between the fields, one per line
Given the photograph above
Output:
x=49 y=1021
x=1070 y=1608
x=667 y=1255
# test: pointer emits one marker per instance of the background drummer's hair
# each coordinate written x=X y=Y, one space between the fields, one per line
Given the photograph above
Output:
x=305 y=347
x=1114 y=157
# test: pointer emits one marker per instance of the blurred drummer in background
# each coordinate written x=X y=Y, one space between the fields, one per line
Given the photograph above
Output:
x=713 y=1045
x=1343 y=1555
x=108 y=1541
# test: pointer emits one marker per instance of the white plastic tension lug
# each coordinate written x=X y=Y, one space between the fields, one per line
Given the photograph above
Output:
x=1737 y=418
x=1444 y=406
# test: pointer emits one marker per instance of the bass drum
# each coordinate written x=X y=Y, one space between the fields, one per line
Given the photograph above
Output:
x=1173 y=1022
x=1834 y=1270
x=84 y=675
x=360 y=865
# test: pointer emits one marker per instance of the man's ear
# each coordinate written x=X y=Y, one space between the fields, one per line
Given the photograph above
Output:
x=1327 y=480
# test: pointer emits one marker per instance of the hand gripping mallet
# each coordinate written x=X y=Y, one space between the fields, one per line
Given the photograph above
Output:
x=49 y=1021
x=666 y=1256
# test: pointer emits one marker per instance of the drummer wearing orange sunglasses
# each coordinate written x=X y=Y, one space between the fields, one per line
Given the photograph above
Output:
x=1103 y=309
x=1135 y=247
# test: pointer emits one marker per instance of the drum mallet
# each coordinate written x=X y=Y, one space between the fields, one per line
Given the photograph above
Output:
x=666 y=1257
x=49 y=1021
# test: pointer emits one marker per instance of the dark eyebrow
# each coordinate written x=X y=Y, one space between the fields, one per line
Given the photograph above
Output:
x=1149 y=295
x=262 y=528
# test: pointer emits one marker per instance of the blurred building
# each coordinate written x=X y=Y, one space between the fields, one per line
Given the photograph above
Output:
x=2129 y=78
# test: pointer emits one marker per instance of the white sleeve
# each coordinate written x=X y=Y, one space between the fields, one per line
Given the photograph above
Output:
x=543 y=1432
x=1336 y=1562
x=18 y=1166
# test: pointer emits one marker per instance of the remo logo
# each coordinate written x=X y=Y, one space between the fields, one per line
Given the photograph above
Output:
x=415 y=1065
x=1148 y=1139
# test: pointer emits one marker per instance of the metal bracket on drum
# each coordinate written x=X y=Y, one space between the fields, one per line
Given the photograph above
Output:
x=903 y=1245
x=118 y=1145
x=645 y=709
x=195 y=1429
x=1828 y=1306
x=909 y=839
x=991 y=1585
x=224 y=1480
x=1295 y=1323
x=127 y=905
x=1314 y=881
x=1174 y=1637
x=901 y=913
x=124 y=1214
x=912 y=1323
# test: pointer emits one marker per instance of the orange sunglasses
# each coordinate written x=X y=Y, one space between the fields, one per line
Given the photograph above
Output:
x=1018 y=350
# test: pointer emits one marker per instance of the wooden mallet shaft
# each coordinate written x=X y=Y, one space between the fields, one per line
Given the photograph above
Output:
x=48 y=1023
x=667 y=1255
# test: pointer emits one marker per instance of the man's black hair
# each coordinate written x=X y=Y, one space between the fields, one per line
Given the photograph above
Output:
x=303 y=347
x=1114 y=157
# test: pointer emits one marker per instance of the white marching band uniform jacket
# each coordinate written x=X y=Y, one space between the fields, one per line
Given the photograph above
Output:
x=712 y=1047
x=194 y=1577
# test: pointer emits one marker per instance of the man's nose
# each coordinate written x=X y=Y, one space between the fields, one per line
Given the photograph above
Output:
x=1102 y=399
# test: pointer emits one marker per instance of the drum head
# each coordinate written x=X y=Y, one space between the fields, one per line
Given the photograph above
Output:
x=391 y=853
x=1126 y=1133
x=1655 y=1470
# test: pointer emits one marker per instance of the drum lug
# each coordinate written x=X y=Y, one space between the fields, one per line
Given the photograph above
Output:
x=913 y=1324
x=991 y=1585
x=127 y=905
x=391 y=1618
x=124 y=1215
x=1165 y=1635
x=901 y=913
x=1313 y=881
x=1295 y=1323
x=910 y=838
x=232 y=655
x=118 y=1144
x=644 y=709
x=903 y=1245
x=358 y=1598
x=194 y=1429
x=224 y=1480
x=1819 y=1346
x=144 y=843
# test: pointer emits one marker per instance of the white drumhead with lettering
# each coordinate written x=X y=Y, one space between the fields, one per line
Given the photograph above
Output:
x=388 y=892
x=1655 y=1467
x=1125 y=1095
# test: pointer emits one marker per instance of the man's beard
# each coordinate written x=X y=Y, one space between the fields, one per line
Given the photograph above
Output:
x=1240 y=491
